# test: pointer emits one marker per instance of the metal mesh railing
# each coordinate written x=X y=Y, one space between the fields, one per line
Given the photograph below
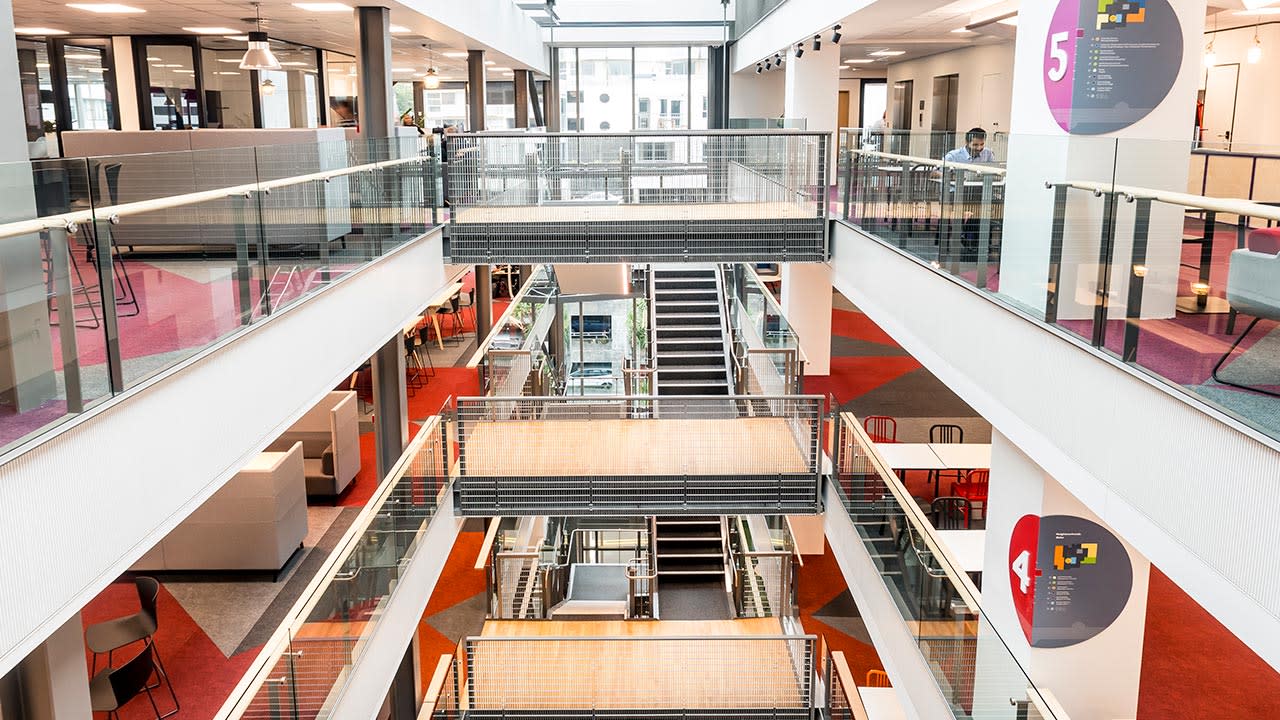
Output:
x=538 y=677
x=581 y=455
x=517 y=592
x=763 y=586
x=696 y=435
x=634 y=197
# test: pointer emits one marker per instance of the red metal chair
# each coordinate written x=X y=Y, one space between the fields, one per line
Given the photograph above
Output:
x=881 y=428
x=973 y=488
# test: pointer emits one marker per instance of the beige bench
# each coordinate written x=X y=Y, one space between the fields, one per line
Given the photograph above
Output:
x=254 y=522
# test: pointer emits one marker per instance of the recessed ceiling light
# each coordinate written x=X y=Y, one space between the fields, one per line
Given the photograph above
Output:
x=490 y=62
x=95 y=69
x=454 y=54
x=82 y=56
x=887 y=53
x=38 y=31
x=294 y=63
x=860 y=61
x=400 y=29
x=211 y=30
x=152 y=58
x=323 y=6
x=224 y=60
x=172 y=66
x=241 y=38
x=226 y=72
x=42 y=65
x=106 y=8
x=185 y=72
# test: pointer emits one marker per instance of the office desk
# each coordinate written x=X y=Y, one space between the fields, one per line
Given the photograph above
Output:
x=441 y=299
x=963 y=456
x=968 y=547
x=910 y=456
x=881 y=703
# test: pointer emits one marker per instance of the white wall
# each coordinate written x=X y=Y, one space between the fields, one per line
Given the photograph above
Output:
x=973 y=65
x=126 y=82
x=1257 y=102
x=756 y=96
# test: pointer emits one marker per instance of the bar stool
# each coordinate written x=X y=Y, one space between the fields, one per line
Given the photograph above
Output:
x=111 y=635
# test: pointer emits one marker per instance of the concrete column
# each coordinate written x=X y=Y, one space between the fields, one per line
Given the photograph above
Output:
x=1096 y=678
x=51 y=683
x=551 y=98
x=1096 y=104
x=806 y=303
x=126 y=101
x=390 y=404
x=26 y=360
x=718 y=90
x=373 y=39
x=475 y=90
x=483 y=301
x=812 y=92
x=522 y=98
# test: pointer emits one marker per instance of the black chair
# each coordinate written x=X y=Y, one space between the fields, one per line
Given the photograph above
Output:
x=111 y=635
x=950 y=513
x=451 y=311
x=113 y=688
x=945 y=434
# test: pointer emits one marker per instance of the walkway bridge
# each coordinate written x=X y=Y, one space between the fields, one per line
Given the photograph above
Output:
x=616 y=455
x=670 y=196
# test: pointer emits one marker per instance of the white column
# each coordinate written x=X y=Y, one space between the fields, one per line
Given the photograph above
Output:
x=1141 y=82
x=813 y=92
x=126 y=83
x=1096 y=678
x=806 y=303
x=26 y=360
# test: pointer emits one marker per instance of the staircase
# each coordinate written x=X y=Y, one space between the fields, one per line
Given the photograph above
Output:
x=690 y=549
x=690 y=341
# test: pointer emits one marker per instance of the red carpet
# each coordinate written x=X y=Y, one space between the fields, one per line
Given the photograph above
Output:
x=856 y=325
x=459 y=582
x=1194 y=668
x=819 y=582
x=854 y=376
x=202 y=676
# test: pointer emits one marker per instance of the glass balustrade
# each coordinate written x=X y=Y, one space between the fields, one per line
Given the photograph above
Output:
x=116 y=268
x=1159 y=254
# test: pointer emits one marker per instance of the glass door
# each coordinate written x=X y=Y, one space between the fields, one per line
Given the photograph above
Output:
x=36 y=80
x=168 y=84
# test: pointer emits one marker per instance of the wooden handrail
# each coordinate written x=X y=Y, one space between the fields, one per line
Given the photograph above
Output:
x=980 y=169
x=1231 y=206
x=841 y=669
x=435 y=687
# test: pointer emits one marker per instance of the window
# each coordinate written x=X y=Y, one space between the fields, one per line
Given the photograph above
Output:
x=668 y=81
x=606 y=101
x=500 y=105
x=172 y=100
x=341 y=82
x=643 y=105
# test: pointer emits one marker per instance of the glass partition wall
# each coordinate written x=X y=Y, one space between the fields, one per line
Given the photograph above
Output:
x=627 y=89
x=67 y=84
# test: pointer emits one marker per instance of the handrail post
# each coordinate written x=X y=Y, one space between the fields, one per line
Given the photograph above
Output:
x=1106 y=252
x=1133 y=307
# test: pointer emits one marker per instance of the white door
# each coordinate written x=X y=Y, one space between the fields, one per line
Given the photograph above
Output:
x=996 y=102
x=1220 y=106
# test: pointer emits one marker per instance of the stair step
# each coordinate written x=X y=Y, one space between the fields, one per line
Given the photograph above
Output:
x=693 y=571
x=683 y=273
x=685 y=295
x=708 y=285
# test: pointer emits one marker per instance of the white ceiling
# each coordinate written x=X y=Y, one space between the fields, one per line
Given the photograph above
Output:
x=327 y=30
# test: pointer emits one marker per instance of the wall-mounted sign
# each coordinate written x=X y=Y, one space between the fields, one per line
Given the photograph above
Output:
x=1109 y=63
x=1070 y=578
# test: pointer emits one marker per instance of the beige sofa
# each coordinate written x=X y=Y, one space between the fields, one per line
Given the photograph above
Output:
x=330 y=437
x=254 y=522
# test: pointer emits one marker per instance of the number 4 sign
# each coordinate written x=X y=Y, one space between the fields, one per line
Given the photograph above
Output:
x=1022 y=569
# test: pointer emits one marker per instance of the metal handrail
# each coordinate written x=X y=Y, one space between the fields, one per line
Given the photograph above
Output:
x=483 y=348
x=773 y=304
x=980 y=169
x=647 y=133
x=1229 y=206
x=69 y=220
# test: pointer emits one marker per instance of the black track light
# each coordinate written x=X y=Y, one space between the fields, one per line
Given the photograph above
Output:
x=835 y=35
x=759 y=69
x=817 y=43
x=766 y=64
x=777 y=59
x=799 y=50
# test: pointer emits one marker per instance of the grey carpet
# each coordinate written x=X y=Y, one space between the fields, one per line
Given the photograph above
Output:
x=461 y=620
x=693 y=601
x=853 y=347
x=1262 y=410
x=915 y=394
x=229 y=607
x=842 y=614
